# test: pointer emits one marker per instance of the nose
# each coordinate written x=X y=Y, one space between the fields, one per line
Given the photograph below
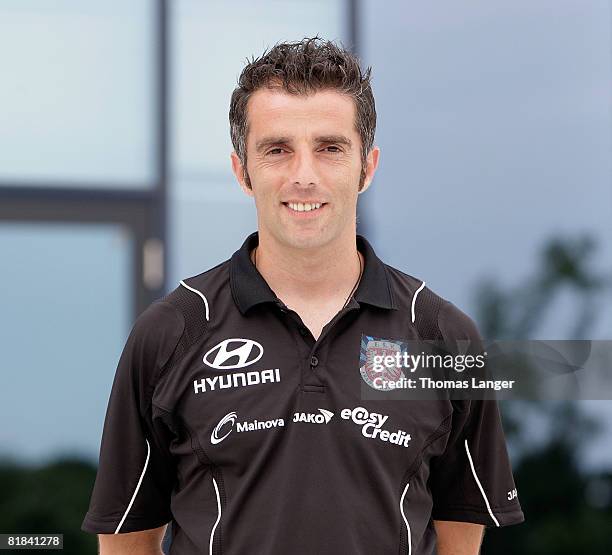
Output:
x=303 y=169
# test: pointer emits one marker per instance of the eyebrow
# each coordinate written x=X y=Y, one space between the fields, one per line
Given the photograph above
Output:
x=275 y=140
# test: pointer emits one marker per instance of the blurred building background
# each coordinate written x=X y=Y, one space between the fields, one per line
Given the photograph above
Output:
x=495 y=124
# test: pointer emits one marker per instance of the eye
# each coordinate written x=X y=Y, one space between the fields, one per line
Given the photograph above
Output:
x=275 y=149
x=337 y=151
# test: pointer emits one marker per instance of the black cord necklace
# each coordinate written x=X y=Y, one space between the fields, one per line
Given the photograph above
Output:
x=356 y=283
x=354 y=286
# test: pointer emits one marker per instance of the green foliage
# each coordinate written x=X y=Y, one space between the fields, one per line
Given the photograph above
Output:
x=48 y=499
x=560 y=518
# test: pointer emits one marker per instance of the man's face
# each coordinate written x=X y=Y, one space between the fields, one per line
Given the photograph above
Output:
x=301 y=151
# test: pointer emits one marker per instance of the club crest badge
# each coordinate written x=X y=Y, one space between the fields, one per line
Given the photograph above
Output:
x=376 y=346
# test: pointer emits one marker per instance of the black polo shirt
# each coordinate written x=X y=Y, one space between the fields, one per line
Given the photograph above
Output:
x=229 y=419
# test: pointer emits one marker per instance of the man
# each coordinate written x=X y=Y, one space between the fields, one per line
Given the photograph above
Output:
x=236 y=412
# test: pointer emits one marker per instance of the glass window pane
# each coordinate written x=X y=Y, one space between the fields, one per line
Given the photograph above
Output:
x=196 y=242
x=65 y=316
x=77 y=94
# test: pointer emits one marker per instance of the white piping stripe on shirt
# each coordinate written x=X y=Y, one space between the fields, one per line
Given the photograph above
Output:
x=414 y=299
x=405 y=520
x=212 y=533
x=467 y=450
x=137 y=487
x=198 y=293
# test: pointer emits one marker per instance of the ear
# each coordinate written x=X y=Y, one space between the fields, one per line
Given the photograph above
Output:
x=366 y=185
x=371 y=166
x=239 y=172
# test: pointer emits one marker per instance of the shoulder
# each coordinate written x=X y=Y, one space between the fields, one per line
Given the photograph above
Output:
x=209 y=278
x=154 y=336
x=194 y=296
x=403 y=285
x=456 y=324
x=162 y=328
x=434 y=315
x=175 y=321
x=413 y=297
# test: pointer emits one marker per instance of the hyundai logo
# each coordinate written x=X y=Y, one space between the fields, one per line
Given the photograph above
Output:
x=233 y=353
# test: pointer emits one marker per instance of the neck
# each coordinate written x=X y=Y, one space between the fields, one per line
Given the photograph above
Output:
x=325 y=274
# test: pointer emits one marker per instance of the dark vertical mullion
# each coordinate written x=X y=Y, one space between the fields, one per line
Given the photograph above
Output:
x=352 y=25
x=156 y=216
x=160 y=204
x=355 y=46
x=162 y=108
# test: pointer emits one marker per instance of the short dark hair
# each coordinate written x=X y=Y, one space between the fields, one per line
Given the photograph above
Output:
x=304 y=67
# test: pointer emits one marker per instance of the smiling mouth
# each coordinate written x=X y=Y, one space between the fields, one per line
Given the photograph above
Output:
x=304 y=206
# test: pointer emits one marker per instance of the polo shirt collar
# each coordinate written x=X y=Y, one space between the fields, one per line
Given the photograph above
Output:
x=249 y=288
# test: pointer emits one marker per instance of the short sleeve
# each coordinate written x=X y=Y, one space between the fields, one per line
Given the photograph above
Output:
x=472 y=481
x=135 y=474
